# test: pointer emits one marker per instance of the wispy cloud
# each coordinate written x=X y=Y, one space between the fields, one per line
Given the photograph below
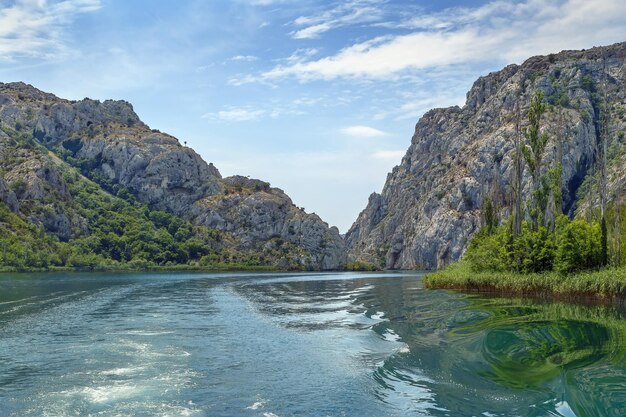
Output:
x=235 y=115
x=36 y=28
x=362 y=132
x=265 y=2
x=394 y=155
x=503 y=30
x=273 y=109
x=245 y=58
x=346 y=13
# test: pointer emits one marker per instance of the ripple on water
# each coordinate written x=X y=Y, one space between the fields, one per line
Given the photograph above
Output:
x=303 y=344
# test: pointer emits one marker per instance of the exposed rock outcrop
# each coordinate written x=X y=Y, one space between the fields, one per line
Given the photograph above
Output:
x=430 y=206
x=8 y=196
x=254 y=212
x=111 y=145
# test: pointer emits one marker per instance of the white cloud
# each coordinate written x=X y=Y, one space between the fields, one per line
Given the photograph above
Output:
x=306 y=101
x=312 y=31
x=235 y=115
x=245 y=58
x=345 y=14
x=301 y=55
x=36 y=28
x=394 y=155
x=502 y=30
x=265 y=2
x=417 y=105
x=274 y=109
x=362 y=132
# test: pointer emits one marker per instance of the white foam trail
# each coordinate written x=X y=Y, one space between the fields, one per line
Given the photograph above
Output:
x=391 y=336
x=147 y=332
x=379 y=315
x=404 y=349
x=257 y=405
x=123 y=371
x=104 y=394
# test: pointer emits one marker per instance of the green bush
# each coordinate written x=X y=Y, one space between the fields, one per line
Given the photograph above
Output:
x=361 y=265
x=578 y=246
x=534 y=250
x=573 y=246
x=488 y=252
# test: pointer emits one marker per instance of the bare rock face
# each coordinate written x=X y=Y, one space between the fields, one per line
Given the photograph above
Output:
x=430 y=206
x=111 y=145
x=258 y=215
x=152 y=165
x=7 y=196
x=33 y=187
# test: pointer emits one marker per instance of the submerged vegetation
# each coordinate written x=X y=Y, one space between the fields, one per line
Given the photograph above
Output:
x=530 y=344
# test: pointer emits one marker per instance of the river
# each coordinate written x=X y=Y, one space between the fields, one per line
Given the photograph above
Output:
x=315 y=344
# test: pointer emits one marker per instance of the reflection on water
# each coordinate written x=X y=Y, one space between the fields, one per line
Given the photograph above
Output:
x=304 y=344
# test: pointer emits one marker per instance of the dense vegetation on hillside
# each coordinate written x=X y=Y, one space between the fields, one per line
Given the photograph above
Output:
x=116 y=231
x=108 y=231
x=92 y=176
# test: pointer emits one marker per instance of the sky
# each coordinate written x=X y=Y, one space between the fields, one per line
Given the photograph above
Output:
x=320 y=98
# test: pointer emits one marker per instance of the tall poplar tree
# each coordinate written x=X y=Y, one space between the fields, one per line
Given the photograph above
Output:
x=533 y=150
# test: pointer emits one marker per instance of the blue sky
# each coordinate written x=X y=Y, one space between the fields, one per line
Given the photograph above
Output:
x=318 y=97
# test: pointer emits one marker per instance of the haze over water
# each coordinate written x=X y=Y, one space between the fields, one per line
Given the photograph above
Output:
x=335 y=344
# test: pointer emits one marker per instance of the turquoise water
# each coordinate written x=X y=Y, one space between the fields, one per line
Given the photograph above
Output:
x=337 y=344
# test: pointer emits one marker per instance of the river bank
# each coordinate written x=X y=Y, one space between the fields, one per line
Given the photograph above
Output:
x=148 y=267
x=604 y=285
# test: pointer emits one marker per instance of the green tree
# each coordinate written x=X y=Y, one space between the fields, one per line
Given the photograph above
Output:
x=533 y=150
x=489 y=213
x=518 y=173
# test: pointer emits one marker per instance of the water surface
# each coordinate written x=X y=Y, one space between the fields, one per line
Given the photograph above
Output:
x=337 y=344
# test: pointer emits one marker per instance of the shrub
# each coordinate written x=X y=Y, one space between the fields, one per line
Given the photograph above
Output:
x=574 y=246
x=578 y=246
x=534 y=249
x=488 y=252
x=361 y=265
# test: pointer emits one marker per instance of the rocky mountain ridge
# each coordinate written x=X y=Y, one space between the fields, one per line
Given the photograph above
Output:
x=430 y=206
x=110 y=145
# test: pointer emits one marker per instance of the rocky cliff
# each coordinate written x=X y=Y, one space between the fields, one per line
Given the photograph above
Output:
x=110 y=145
x=430 y=206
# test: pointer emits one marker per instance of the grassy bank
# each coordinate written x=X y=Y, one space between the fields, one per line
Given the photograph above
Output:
x=606 y=284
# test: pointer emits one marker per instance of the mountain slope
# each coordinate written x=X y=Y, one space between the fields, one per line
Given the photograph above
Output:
x=431 y=203
x=42 y=137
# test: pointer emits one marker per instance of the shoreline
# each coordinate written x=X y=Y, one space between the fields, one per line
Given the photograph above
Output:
x=173 y=268
x=606 y=285
x=178 y=268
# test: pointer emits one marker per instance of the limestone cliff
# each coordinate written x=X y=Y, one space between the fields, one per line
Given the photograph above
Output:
x=113 y=147
x=430 y=206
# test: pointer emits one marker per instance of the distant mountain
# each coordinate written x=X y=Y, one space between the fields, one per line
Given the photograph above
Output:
x=431 y=203
x=69 y=168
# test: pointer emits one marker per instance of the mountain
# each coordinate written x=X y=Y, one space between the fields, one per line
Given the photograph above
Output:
x=431 y=204
x=68 y=167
